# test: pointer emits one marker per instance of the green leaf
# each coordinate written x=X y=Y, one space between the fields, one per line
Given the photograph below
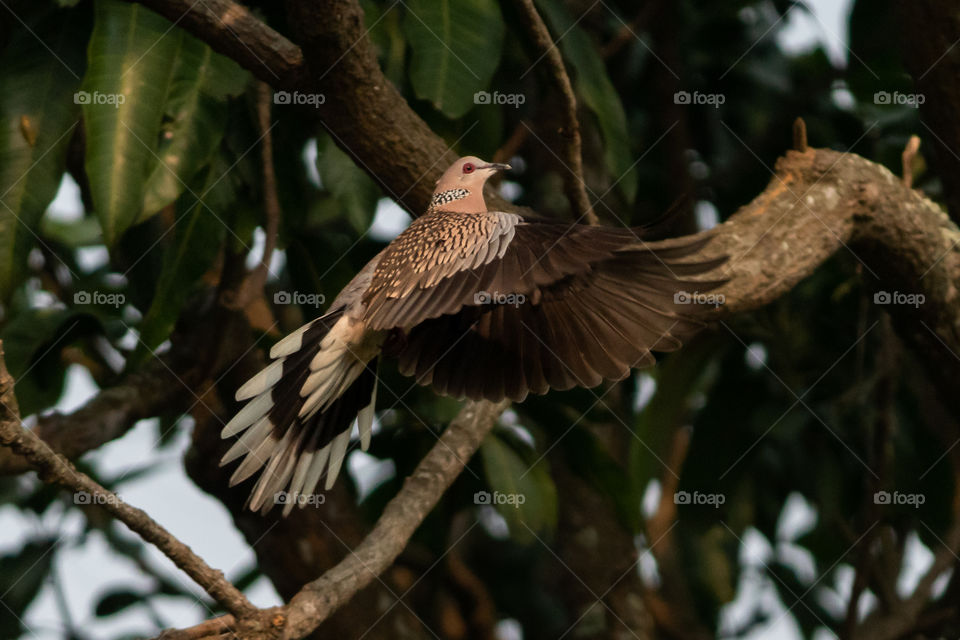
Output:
x=197 y=112
x=678 y=377
x=456 y=48
x=84 y=232
x=131 y=60
x=196 y=241
x=38 y=117
x=593 y=85
x=387 y=36
x=117 y=600
x=354 y=190
x=22 y=574
x=32 y=340
x=523 y=494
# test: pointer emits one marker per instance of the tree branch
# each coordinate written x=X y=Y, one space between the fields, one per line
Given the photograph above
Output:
x=317 y=600
x=821 y=202
x=574 y=183
x=54 y=469
x=229 y=28
x=164 y=386
x=421 y=491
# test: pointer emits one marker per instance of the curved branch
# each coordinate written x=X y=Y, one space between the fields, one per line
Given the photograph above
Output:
x=821 y=202
x=574 y=183
x=54 y=469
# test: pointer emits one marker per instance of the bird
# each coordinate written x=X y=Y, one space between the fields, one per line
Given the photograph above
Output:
x=479 y=304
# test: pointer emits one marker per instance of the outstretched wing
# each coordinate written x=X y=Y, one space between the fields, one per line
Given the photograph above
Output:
x=588 y=305
x=447 y=261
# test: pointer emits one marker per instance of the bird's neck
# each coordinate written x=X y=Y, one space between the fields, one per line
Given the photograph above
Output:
x=467 y=201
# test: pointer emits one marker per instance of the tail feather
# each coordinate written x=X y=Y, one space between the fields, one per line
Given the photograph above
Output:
x=296 y=423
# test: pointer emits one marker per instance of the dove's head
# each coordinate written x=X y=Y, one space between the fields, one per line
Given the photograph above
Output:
x=460 y=188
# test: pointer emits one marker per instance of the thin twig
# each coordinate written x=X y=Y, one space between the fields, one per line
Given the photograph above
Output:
x=906 y=159
x=55 y=469
x=206 y=629
x=800 y=135
x=574 y=183
x=253 y=284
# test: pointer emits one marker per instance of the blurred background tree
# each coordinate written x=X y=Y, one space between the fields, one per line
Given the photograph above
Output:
x=731 y=491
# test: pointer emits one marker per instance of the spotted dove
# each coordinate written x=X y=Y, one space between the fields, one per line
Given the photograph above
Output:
x=483 y=305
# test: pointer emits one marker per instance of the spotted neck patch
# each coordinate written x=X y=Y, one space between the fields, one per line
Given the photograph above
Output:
x=442 y=198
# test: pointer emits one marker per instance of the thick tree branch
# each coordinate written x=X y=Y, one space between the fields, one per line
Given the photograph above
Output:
x=54 y=469
x=821 y=202
x=574 y=183
x=229 y=28
x=362 y=110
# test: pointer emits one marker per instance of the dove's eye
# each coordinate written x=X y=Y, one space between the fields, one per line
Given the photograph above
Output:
x=468 y=167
